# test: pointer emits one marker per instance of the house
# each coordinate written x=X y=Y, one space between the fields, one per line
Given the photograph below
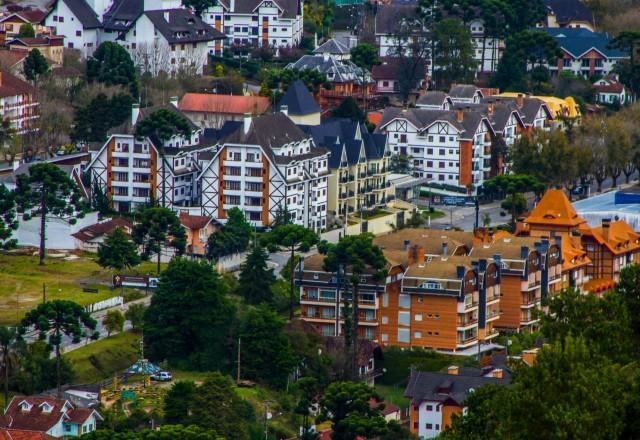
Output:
x=80 y=395
x=435 y=100
x=334 y=48
x=345 y=77
x=465 y=94
x=436 y=397
x=611 y=91
x=12 y=61
x=584 y=52
x=198 y=229
x=212 y=111
x=48 y=415
x=18 y=103
x=51 y=46
x=131 y=171
x=387 y=76
x=265 y=165
x=299 y=105
x=388 y=410
x=77 y=22
x=169 y=40
x=447 y=146
x=90 y=237
x=389 y=20
x=569 y=14
x=486 y=50
x=11 y=23
x=359 y=166
x=254 y=23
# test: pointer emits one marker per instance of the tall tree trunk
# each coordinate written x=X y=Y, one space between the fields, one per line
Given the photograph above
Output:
x=6 y=376
x=355 y=311
x=43 y=224
x=159 y=254
x=484 y=44
x=58 y=378
x=291 y=298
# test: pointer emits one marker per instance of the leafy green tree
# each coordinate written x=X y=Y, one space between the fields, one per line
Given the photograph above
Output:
x=480 y=420
x=179 y=401
x=162 y=125
x=268 y=354
x=7 y=216
x=27 y=31
x=164 y=432
x=357 y=255
x=99 y=200
x=292 y=238
x=118 y=252
x=346 y=404
x=232 y=238
x=135 y=315
x=8 y=340
x=349 y=109
x=35 y=65
x=365 y=55
x=56 y=319
x=113 y=321
x=401 y=164
x=111 y=64
x=282 y=78
x=199 y=6
x=603 y=322
x=512 y=187
x=47 y=190
x=154 y=228
x=256 y=279
x=94 y=120
x=628 y=288
x=453 y=55
x=189 y=317
x=36 y=370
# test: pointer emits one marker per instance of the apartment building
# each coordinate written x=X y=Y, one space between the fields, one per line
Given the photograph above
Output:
x=254 y=23
x=447 y=146
x=78 y=22
x=18 y=103
x=436 y=397
x=359 y=164
x=131 y=171
x=487 y=50
x=264 y=165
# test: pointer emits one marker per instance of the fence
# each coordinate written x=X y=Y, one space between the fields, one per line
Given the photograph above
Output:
x=106 y=304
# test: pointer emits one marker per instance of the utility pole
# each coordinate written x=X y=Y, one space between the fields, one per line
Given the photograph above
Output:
x=238 y=376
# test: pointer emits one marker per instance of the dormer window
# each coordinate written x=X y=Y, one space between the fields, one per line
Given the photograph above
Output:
x=46 y=408
x=25 y=406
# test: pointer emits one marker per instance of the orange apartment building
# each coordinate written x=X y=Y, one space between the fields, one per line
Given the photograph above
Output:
x=592 y=258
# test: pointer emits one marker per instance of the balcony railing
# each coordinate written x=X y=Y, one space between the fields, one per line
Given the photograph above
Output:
x=467 y=322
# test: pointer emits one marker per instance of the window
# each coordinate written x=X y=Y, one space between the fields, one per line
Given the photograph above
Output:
x=385 y=299
x=430 y=138
x=585 y=63
x=442 y=152
x=403 y=138
x=442 y=139
x=403 y=318
x=441 y=177
x=437 y=427
x=429 y=163
x=67 y=428
x=78 y=33
x=440 y=164
x=429 y=150
x=404 y=301
x=566 y=62
x=385 y=320
x=417 y=335
x=418 y=317
x=429 y=426
x=403 y=335
x=61 y=19
x=429 y=407
x=384 y=337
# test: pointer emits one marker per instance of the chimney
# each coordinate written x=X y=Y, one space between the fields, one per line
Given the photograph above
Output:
x=174 y=101
x=445 y=249
x=529 y=356
x=459 y=115
x=135 y=112
x=454 y=370
x=285 y=109
x=246 y=123
x=497 y=373
x=606 y=223
x=416 y=254
x=490 y=108
x=232 y=6
x=520 y=100
x=1 y=78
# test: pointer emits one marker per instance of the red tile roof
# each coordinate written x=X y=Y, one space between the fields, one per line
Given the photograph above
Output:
x=612 y=87
x=554 y=208
x=11 y=85
x=10 y=58
x=194 y=221
x=35 y=419
x=206 y=102
x=17 y=434
x=98 y=229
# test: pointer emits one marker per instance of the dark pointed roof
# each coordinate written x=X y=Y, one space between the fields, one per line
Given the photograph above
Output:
x=182 y=26
x=299 y=100
x=122 y=14
x=83 y=12
x=570 y=10
x=332 y=46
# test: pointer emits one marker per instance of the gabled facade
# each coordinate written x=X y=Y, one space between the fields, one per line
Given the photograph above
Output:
x=50 y=46
x=267 y=165
x=18 y=103
x=569 y=14
x=609 y=90
x=254 y=23
x=131 y=170
x=11 y=23
x=77 y=22
x=51 y=416
x=359 y=165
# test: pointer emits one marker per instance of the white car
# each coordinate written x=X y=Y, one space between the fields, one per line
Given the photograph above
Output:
x=162 y=376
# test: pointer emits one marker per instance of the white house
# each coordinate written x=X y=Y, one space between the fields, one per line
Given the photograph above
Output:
x=273 y=23
x=609 y=91
x=266 y=165
x=78 y=22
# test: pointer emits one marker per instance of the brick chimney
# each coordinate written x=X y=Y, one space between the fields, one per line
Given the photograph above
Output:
x=416 y=254
x=497 y=373
x=459 y=115
x=454 y=370
x=490 y=108
x=1 y=78
x=520 y=100
x=606 y=224
x=529 y=356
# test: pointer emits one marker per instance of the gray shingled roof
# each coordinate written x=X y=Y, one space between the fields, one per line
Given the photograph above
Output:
x=83 y=12
x=442 y=387
x=182 y=27
x=122 y=14
x=332 y=46
x=299 y=100
x=423 y=118
x=432 y=98
x=463 y=91
x=568 y=10
x=289 y=7
x=336 y=71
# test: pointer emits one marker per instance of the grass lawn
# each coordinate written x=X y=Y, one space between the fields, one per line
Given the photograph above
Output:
x=22 y=278
x=433 y=215
x=101 y=359
x=393 y=394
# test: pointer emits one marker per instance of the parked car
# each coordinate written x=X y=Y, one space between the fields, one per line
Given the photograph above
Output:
x=162 y=376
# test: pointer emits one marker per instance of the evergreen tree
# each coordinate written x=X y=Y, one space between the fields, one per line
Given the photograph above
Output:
x=118 y=251
x=111 y=64
x=155 y=226
x=113 y=321
x=135 y=315
x=94 y=120
x=453 y=55
x=256 y=279
x=35 y=65
x=232 y=238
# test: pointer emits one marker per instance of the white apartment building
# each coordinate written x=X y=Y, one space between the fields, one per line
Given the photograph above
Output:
x=18 y=103
x=274 y=23
x=78 y=22
x=486 y=51
x=267 y=165
x=451 y=147
x=131 y=171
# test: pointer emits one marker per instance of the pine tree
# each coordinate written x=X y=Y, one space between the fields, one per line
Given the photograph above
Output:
x=35 y=65
x=256 y=278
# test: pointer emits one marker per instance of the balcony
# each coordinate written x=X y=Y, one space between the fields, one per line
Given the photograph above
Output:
x=530 y=300
x=465 y=323
x=315 y=298
x=492 y=315
x=491 y=334
x=465 y=342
